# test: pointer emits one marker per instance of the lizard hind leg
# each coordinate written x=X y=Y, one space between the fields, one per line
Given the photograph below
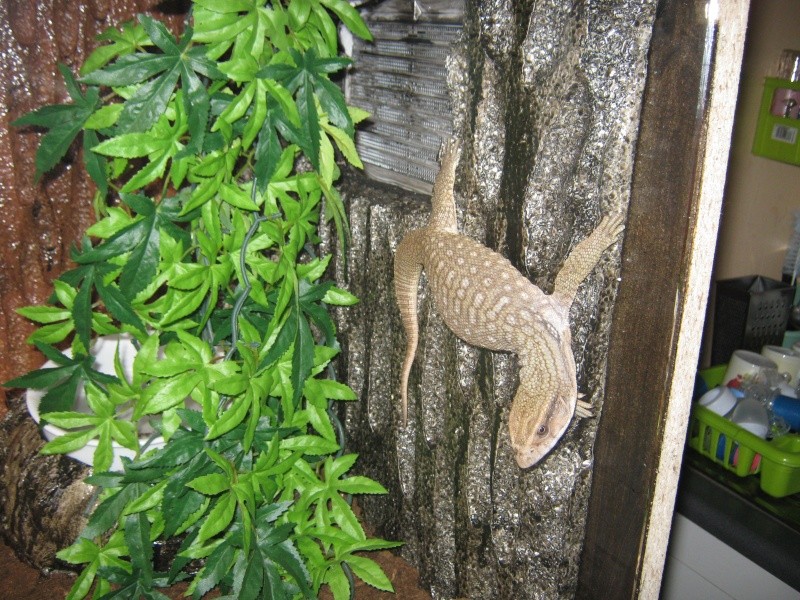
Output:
x=443 y=205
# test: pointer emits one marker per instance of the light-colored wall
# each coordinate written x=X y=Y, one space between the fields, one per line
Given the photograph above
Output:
x=761 y=194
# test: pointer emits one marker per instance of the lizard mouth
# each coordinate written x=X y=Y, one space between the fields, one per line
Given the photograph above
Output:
x=527 y=457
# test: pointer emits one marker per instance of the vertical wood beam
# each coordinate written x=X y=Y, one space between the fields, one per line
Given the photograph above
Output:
x=679 y=175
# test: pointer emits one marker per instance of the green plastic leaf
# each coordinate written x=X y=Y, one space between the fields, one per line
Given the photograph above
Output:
x=158 y=75
x=94 y=163
x=104 y=117
x=82 y=551
x=44 y=314
x=137 y=537
x=232 y=416
x=349 y=16
x=345 y=144
x=318 y=418
x=141 y=239
x=308 y=80
x=249 y=579
x=116 y=219
x=237 y=197
x=62 y=381
x=104 y=453
x=360 y=485
x=307 y=107
x=129 y=70
x=338 y=582
x=148 y=103
x=130 y=145
x=82 y=312
x=285 y=554
x=217 y=565
x=52 y=334
x=69 y=442
x=40 y=378
x=129 y=38
x=183 y=447
x=323 y=33
x=368 y=571
x=142 y=262
x=219 y=518
x=118 y=305
x=303 y=356
x=335 y=390
x=211 y=484
x=71 y=419
x=109 y=510
x=328 y=169
x=183 y=304
x=310 y=445
x=63 y=121
x=168 y=393
x=268 y=152
x=83 y=583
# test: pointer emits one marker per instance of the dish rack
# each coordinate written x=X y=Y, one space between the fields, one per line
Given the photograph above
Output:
x=776 y=462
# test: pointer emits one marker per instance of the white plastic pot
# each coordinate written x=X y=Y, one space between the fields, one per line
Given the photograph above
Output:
x=104 y=351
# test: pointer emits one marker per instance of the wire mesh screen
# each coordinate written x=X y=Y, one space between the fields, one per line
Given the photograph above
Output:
x=401 y=79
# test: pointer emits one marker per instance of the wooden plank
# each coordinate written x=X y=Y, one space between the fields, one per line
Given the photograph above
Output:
x=672 y=220
x=732 y=23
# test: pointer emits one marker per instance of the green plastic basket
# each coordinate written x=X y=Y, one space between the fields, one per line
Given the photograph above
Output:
x=777 y=462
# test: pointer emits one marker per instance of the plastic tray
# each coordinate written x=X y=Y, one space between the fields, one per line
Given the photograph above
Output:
x=777 y=462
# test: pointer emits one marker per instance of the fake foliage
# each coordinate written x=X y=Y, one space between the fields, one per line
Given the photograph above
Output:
x=204 y=253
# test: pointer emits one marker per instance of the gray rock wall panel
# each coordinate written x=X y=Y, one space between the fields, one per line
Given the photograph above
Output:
x=546 y=98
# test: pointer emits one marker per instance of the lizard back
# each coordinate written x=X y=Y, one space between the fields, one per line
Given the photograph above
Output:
x=481 y=297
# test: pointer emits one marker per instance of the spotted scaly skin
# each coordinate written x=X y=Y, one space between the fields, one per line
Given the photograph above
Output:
x=486 y=302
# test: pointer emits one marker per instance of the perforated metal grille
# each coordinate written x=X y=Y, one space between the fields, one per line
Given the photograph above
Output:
x=401 y=79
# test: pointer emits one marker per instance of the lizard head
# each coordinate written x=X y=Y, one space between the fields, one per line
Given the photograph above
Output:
x=544 y=404
x=533 y=435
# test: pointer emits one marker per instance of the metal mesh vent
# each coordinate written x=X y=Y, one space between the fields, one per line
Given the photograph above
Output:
x=401 y=79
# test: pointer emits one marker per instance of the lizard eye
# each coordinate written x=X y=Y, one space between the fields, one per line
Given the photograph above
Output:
x=542 y=431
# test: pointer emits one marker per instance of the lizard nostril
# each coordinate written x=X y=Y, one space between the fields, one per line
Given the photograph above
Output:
x=542 y=431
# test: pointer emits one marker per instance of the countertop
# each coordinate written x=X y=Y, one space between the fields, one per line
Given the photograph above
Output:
x=734 y=509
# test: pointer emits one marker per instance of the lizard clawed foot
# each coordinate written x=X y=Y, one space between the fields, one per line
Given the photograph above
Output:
x=451 y=147
x=584 y=409
x=611 y=226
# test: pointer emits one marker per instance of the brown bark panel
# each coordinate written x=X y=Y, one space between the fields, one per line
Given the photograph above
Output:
x=39 y=222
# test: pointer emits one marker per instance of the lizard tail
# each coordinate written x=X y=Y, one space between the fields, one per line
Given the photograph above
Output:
x=407 y=271
x=443 y=205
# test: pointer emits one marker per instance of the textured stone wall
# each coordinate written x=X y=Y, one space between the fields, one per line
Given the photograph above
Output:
x=39 y=222
x=546 y=99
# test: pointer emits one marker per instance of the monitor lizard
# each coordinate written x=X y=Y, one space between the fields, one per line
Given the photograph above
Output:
x=488 y=303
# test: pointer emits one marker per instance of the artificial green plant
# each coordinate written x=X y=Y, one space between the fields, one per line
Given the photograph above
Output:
x=213 y=154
